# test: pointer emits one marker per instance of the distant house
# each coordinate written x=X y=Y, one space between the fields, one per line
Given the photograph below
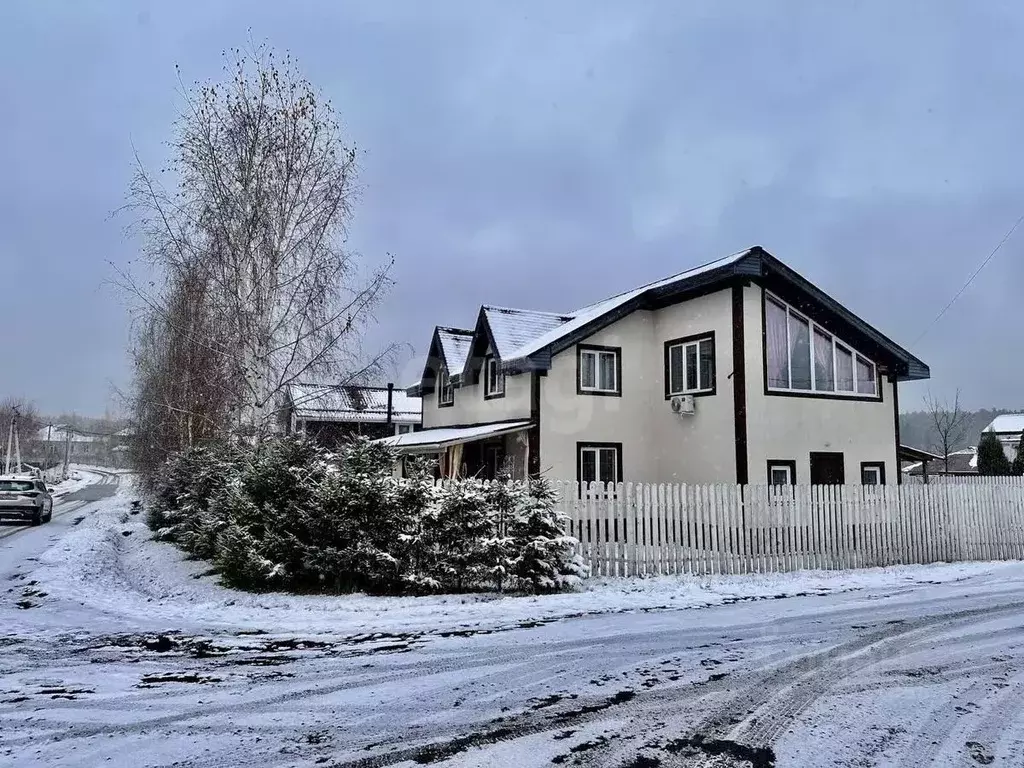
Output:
x=738 y=371
x=331 y=413
x=962 y=462
x=1007 y=429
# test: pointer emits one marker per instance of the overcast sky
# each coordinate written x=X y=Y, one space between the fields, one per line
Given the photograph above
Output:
x=547 y=154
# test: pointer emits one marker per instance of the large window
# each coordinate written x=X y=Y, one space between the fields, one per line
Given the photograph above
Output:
x=599 y=370
x=690 y=365
x=599 y=462
x=802 y=357
x=445 y=390
x=494 y=379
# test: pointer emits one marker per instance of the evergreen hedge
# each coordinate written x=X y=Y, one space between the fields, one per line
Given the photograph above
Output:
x=289 y=515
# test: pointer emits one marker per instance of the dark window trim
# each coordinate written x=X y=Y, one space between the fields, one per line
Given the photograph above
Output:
x=879 y=465
x=580 y=349
x=896 y=420
x=504 y=382
x=855 y=398
x=739 y=386
x=714 y=364
x=790 y=463
x=579 y=458
x=440 y=388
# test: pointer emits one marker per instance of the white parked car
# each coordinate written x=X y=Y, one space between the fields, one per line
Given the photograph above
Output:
x=23 y=497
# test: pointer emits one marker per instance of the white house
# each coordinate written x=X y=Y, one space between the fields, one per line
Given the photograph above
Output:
x=739 y=370
x=1007 y=428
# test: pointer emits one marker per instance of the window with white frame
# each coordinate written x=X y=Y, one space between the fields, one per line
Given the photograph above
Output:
x=781 y=472
x=801 y=356
x=599 y=462
x=445 y=390
x=599 y=370
x=494 y=379
x=690 y=365
x=872 y=473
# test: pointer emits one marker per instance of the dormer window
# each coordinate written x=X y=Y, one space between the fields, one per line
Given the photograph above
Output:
x=494 y=379
x=445 y=390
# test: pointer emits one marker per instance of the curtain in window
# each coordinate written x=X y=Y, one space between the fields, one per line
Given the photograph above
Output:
x=607 y=474
x=844 y=370
x=607 y=370
x=707 y=364
x=588 y=466
x=865 y=377
x=778 y=356
x=824 y=378
x=676 y=383
x=799 y=353
x=691 y=366
x=588 y=374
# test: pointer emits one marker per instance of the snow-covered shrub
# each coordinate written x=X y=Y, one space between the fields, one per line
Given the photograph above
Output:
x=546 y=559
x=240 y=562
x=504 y=498
x=453 y=531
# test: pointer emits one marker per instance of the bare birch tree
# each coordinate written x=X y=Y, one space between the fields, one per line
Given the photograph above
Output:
x=950 y=423
x=264 y=191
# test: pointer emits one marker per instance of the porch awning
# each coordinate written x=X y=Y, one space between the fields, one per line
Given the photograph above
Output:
x=434 y=440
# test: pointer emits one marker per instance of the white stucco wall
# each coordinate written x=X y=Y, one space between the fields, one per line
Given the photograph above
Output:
x=790 y=428
x=471 y=408
x=657 y=445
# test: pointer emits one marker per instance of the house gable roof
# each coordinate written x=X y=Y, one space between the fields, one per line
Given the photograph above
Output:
x=449 y=345
x=504 y=330
x=754 y=264
x=526 y=340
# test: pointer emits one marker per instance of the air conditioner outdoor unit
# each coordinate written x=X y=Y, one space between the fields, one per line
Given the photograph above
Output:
x=683 y=405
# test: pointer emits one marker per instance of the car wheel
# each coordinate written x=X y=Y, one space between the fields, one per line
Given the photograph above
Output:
x=37 y=517
x=49 y=516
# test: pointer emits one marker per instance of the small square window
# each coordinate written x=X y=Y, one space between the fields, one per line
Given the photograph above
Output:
x=600 y=462
x=781 y=473
x=599 y=371
x=690 y=366
x=872 y=473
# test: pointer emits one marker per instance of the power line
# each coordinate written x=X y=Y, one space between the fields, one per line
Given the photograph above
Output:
x=970 y=280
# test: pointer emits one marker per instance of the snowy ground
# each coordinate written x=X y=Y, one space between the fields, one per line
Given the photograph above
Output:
x=116 y=651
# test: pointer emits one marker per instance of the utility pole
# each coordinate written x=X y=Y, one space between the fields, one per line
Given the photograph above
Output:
x=67 y=451
x=10 y=445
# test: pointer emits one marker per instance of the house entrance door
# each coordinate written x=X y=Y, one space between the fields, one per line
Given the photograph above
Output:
x=827 y=468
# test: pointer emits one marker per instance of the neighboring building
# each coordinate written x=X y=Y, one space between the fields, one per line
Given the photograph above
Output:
x=962 y=462
x=333 y=413
x=736 y=371
x=82 y=447
x=1008 y=428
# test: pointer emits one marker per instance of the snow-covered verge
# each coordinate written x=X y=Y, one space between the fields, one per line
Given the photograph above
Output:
x=110 y=564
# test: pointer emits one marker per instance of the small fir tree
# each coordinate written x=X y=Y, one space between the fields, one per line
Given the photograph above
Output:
x=1017 y=468
x=455 y=530
x=504 y=497
x=991 y=457
x=547 y=559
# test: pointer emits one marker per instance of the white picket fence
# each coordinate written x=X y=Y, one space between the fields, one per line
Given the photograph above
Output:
x=646 y=529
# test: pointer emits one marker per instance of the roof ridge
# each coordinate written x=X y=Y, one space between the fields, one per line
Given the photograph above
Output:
x=452 y=329
x=531 y=311
x=664 y=279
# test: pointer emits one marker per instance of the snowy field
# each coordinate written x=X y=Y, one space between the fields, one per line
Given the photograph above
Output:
x=114 y=650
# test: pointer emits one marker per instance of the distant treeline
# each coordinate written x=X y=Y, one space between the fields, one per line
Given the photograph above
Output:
x=918 y=430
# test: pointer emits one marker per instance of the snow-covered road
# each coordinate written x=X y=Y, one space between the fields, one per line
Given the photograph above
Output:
x=115 y=651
